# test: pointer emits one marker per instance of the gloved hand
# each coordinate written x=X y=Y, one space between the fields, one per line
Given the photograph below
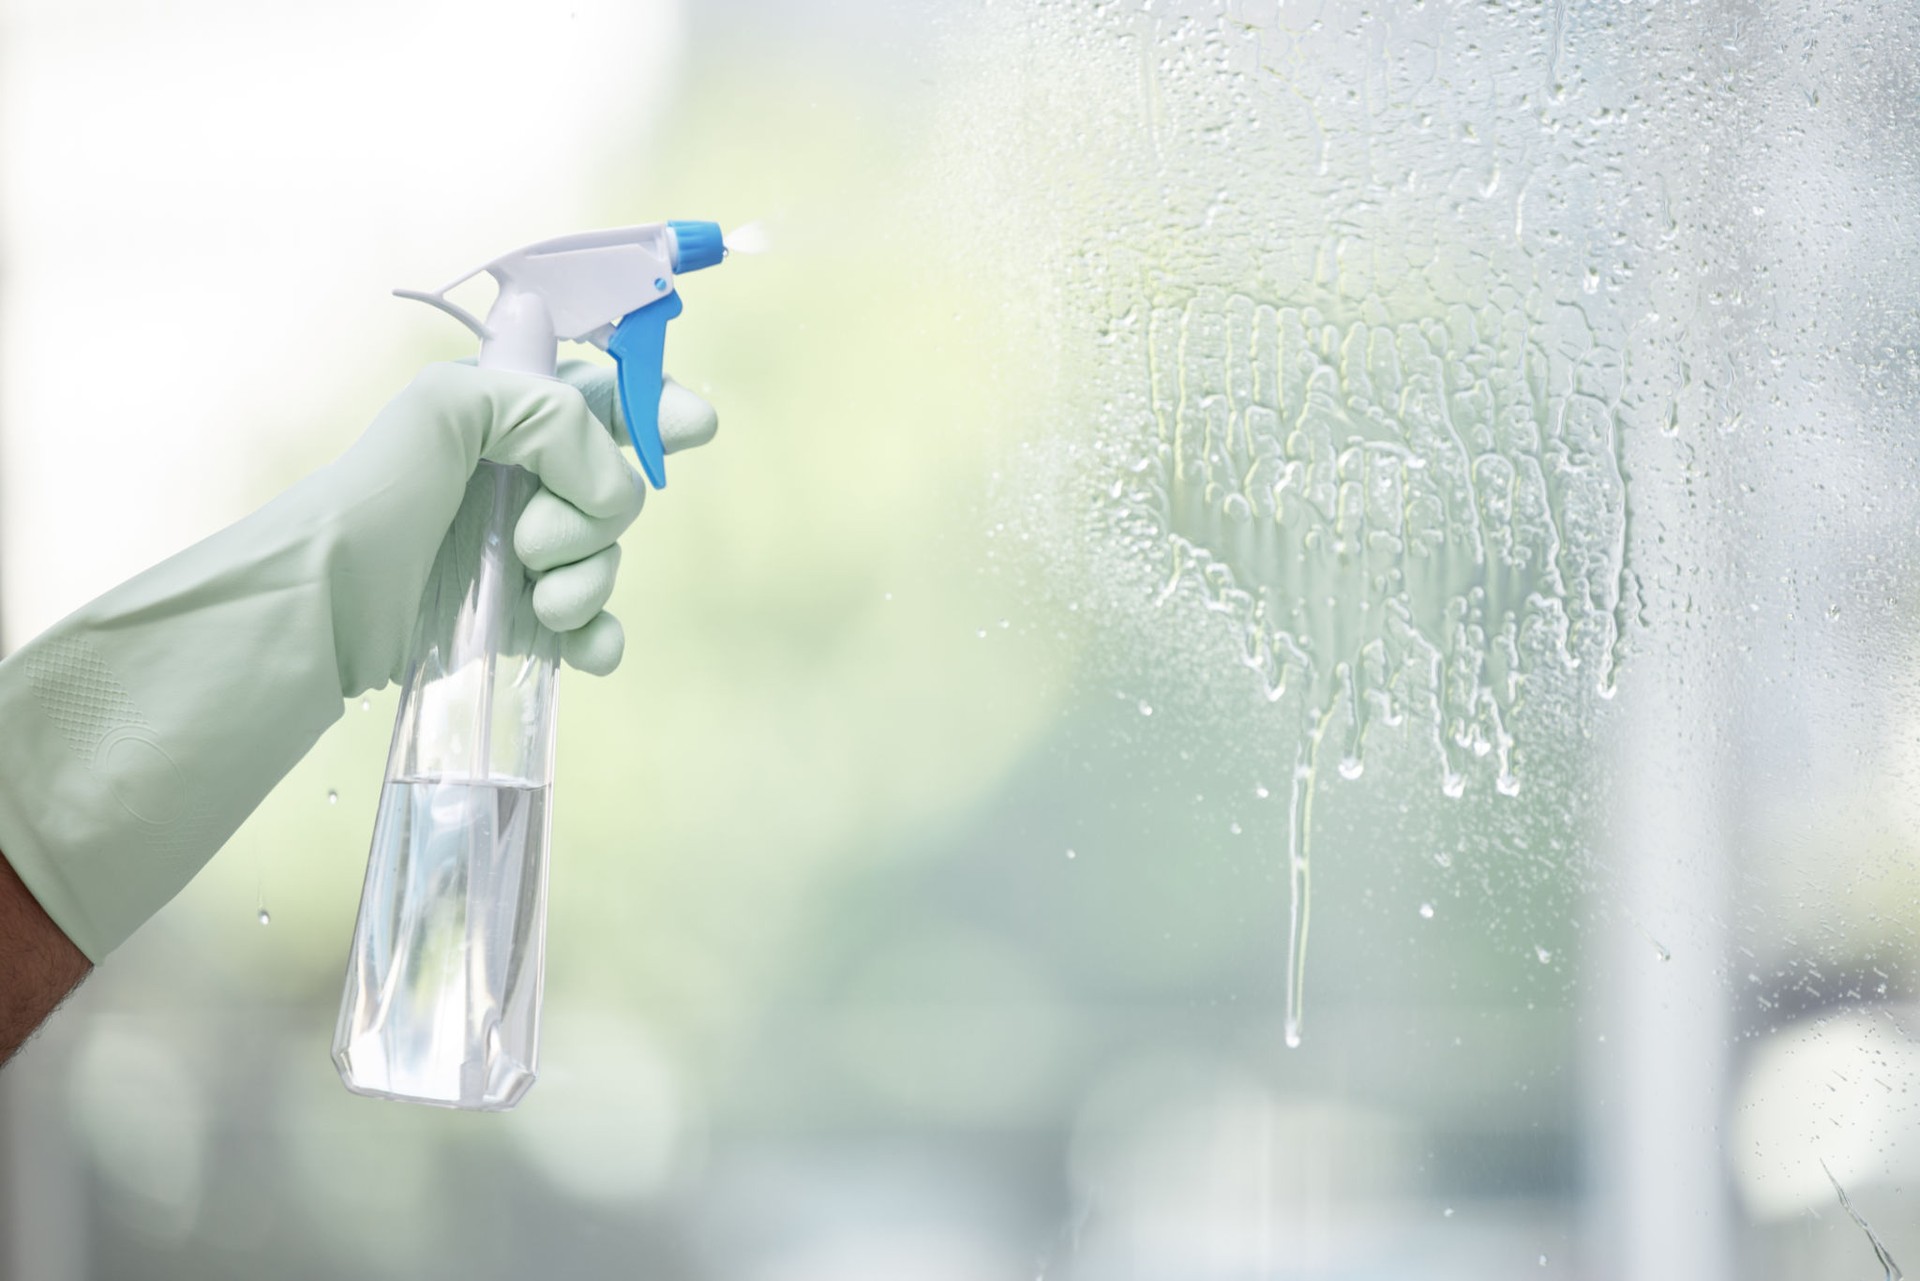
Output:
x=137 y=734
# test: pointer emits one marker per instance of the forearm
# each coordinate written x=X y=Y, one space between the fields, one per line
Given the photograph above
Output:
x=141 y=730
x=42 y=965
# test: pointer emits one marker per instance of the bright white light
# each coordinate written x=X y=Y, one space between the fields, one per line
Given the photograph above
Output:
x=205 y=206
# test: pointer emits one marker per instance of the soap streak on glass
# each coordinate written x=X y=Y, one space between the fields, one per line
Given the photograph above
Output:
x=445 y=969
x=1377 y=472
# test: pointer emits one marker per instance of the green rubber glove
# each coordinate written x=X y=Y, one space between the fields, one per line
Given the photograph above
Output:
x=138 y=733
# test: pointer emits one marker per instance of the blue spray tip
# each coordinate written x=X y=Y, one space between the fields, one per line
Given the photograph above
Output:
x=697 y=245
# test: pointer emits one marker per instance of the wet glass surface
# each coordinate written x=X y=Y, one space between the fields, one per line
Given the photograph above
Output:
x=1296 y=657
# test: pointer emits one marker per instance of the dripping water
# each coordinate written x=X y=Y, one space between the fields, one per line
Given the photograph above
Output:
x=1306 y=774
x=1880 y=1251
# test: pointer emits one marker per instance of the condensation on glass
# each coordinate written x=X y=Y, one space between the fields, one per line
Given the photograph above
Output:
x=1512 y=382
x=1359 y=347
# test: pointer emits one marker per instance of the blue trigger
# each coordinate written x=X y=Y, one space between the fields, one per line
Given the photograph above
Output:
x=638 y=348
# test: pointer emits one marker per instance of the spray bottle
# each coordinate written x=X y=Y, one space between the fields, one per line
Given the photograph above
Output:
x=442 y=1001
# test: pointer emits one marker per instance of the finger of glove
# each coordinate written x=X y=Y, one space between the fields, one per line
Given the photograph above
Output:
x=568 y=597
x=686 y=420
x=551 y=531
x=545 y=426
x=599 y=386
x=595 y=647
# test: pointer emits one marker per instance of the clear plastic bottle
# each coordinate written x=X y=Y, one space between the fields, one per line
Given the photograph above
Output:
x=442 y=1001
x=443 y=983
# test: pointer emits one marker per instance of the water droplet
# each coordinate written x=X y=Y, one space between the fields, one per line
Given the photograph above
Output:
x=1293 y=1036
x=366 y=704
x=1426 y=911
x=886 y=596
x=981 y=633
x=1443 y=858
x=1146 y=708
x=1072 y=854
x=1447 y=1213
x=264 y=918
x=1005 y=623
x=1546 y=957
x=1833 y=611
x=1352 y=767
x=1454 y=785
x=333 y=798
x=1233 y=828
x=1260 y=790
x=1543 y=1260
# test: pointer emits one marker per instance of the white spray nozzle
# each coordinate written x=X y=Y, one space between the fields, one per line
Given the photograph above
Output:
x=585 y=283
x=613 y=289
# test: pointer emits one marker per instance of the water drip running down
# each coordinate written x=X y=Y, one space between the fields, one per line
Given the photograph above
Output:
x=1300 y=877
x=1880 y=1252
x=260 y=888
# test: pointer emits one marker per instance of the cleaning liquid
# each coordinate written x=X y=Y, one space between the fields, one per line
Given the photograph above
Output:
x=450 y=958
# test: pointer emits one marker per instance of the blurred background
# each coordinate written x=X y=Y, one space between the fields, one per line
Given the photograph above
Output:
x=927 y=884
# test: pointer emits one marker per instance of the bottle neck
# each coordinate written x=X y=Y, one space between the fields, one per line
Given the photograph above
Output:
x=522 y=336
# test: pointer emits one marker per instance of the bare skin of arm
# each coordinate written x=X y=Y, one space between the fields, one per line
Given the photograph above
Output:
x=41 y=964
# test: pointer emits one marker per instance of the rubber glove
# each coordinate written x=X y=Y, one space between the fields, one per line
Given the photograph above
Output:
x=137 y=734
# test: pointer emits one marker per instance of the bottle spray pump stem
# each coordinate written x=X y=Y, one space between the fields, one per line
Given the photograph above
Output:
x=442 y=1000
x=519 y=335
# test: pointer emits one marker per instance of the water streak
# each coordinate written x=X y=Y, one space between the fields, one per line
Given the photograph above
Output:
x=1880 y=1251
x=1306 y=775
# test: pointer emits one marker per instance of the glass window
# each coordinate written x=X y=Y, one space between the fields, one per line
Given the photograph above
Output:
x=1296 y=657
